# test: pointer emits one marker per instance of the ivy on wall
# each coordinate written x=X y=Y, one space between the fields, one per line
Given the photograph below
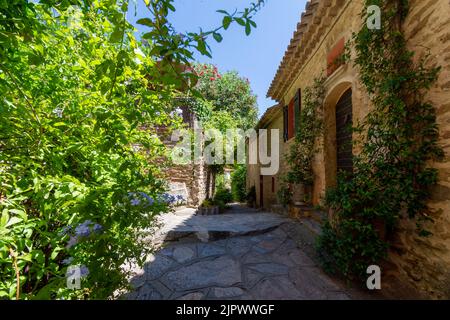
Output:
x=391 y=177
x=310 y=128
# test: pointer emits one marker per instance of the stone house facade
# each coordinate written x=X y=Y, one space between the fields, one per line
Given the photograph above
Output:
x=324 y=28
x=187 y=180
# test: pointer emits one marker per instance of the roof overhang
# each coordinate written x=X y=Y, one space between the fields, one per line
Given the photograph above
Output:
x=268 y=116
x=317 y=18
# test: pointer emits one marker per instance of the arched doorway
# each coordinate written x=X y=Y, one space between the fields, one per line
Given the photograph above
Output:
x=344 y=123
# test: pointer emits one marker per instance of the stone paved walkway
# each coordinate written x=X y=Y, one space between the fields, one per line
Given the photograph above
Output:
x=237 y=221
x=269 y=265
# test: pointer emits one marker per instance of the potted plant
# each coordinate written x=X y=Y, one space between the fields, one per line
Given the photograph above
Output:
x=307 y=195
x=208 y=207
x=222 y=198
x=298 y=194
x=284 y=195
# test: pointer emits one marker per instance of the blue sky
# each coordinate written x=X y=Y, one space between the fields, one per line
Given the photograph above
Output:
x=255 y=57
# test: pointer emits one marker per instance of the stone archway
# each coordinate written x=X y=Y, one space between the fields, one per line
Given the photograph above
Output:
x=338 y=96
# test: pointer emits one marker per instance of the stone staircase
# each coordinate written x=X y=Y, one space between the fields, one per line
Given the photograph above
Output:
x=305 y=223
x=310 y=217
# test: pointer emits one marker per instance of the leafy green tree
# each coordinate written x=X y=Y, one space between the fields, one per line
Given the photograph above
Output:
x=228 y=92
x=78 y=176
x=67 y=160
x=232 y=106
x=238 y=183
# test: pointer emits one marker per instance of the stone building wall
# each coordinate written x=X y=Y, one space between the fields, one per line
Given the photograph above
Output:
x=424 y=262
x=187 y=180
x=427 y=260
x=269 y=194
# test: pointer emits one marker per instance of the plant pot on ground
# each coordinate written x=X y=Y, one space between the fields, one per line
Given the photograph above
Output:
x=284 y=196
x=208 y=207
x=222 y=198
x=307 y=194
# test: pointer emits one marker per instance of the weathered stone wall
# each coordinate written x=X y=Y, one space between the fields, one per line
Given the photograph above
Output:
x=425 y=262
x=187 y=180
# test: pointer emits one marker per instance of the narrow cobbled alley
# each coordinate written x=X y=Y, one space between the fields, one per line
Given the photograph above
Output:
x=242 y=254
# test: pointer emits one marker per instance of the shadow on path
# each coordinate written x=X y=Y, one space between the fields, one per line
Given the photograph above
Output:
x=242 y=254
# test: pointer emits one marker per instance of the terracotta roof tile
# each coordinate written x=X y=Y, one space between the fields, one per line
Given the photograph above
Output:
x=314 y=20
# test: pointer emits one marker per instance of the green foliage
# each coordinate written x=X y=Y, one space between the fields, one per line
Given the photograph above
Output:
x=170 y=45
x=392 y=177
x=302 y=152
x=228 y=93
x=238 y=183
x=76 y=89
x=208 y=203
x=223 y=197
x=284 y=195
x=347 y=251
x=232 y=104
x=67 y=135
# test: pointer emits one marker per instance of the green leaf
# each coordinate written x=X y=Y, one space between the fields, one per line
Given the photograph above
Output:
x=117 y=35
x=248 y=29
x=201 y=47
x=218 y=37
x=22 y=214
x=13 y=221
x=171 y=7
x=226 y=22
x=240 y=21
x=4 y=219
x=146 y=22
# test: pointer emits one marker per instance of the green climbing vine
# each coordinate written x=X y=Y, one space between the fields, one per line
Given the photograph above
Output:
x=310 y=128
x=399 y=137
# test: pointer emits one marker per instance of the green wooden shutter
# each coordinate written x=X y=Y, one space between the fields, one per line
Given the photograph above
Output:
x=297 y=109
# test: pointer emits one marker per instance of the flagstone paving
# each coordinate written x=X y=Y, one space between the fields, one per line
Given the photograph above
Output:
x=235 y=222
x=258 y=266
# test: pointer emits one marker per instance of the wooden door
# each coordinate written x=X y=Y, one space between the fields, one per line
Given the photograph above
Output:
x=344 y=124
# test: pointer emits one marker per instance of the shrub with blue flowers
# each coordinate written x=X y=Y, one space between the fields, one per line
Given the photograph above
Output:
x=80 y=169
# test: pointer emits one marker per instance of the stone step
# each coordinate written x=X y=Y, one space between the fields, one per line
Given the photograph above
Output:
x=309 y=212
x=314 y=226
x=191 y=227
x=279 y=209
